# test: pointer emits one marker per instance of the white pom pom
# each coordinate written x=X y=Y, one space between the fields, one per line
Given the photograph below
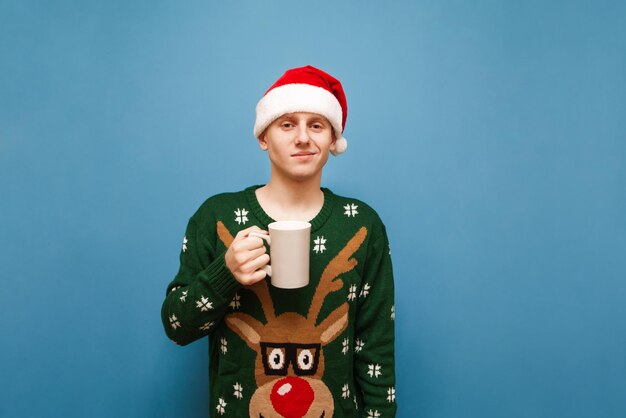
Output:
x=341 y=145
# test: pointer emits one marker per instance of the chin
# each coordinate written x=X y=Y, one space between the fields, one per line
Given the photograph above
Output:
x=304 y=176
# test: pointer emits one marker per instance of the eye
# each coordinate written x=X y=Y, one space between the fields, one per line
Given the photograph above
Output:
x=276 y=359
x=305 y=360
x=286 y=125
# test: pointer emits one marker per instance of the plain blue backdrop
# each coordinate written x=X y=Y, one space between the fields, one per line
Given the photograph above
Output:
x=489 y=135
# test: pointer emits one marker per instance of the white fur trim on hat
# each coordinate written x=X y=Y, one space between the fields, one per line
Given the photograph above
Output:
x=291 y=98
x=341 y=145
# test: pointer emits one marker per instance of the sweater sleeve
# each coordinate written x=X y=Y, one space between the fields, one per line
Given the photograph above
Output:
x=374 y=333
x=198 y=297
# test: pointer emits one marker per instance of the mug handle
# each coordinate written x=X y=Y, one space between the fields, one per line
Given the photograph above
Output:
x=267 y=267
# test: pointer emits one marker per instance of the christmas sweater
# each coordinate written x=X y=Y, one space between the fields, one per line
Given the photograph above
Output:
x=325 y=350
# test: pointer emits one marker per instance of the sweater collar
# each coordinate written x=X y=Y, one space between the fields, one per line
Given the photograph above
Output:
x=316 y=223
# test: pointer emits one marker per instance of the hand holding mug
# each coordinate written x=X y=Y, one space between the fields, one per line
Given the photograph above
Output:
x=246 y=256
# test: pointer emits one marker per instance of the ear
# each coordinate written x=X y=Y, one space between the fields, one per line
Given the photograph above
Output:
x=333 y=144
x=334 y=325
x=248 y=328
x=262 y=142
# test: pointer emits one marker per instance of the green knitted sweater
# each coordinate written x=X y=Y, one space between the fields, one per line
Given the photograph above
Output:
x=325 y=350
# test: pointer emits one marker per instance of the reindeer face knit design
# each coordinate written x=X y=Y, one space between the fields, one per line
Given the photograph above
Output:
x=326 y=350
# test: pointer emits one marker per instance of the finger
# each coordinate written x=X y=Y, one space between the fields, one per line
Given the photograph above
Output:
x=245 y=233
x=253 y=228
x=250 y=243
x=242 y=258
x=256 y=263
x=257 y=276
x=252 y=278
x=253 y=254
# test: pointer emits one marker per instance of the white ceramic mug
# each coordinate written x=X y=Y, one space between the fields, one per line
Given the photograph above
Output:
x=289 y=243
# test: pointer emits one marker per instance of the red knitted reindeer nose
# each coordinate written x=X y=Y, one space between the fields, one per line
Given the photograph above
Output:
x=292 y=397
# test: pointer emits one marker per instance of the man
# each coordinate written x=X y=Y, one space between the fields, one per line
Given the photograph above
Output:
x=325 y=350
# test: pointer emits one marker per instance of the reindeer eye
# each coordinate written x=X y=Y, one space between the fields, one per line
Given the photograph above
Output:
x=305 y=360
x=276 y=359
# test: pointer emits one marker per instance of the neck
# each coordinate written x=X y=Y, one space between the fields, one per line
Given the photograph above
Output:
x=291 y=193
x=284 y=199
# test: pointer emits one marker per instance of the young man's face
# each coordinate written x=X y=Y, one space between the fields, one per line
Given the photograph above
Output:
x=298 y=145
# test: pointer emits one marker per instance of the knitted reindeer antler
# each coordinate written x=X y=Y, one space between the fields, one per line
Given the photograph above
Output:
x=342 y=263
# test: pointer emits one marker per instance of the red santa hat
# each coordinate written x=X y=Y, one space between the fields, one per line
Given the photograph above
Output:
x=305 y=89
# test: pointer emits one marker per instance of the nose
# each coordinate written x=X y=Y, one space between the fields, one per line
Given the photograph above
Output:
x=303 y=135
x=292 y=397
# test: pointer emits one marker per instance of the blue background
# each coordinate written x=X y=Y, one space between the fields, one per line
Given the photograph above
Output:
x=489 y=135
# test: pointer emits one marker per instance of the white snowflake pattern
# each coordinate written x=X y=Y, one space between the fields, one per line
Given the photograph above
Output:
x=350 y=210
x=221 y=406
x=204 y=304
x=207 y=326
x=393 y=313
x=183 y=298
x=185 y=244
x=365 y=291
x=235 y=303
x=356 y=404
x=345 y=391
x=241 y=216
x=174 y=322
x=358 y=346
x=345 y=344
x=391 y=395
x=374 y=370
x=238 y=390
x=223 y=345
x=319 y=246
x=373 y=414
x=352 y=292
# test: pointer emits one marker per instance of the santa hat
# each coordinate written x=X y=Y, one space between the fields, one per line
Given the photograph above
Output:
x=305 y=89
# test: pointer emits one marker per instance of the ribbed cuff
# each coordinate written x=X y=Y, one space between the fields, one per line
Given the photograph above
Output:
x=220 y=278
